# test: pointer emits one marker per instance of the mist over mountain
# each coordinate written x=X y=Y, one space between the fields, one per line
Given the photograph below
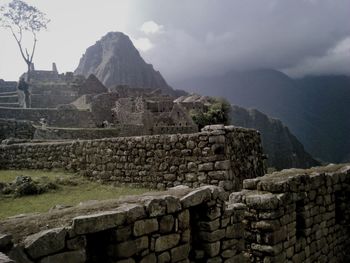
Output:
x=115 y=61
x=281 y=146
x=314 y=108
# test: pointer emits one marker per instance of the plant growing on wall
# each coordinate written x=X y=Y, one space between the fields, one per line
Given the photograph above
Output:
x=23 y=20
x=217 y=113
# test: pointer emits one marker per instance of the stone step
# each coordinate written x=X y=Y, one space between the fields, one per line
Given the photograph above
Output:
x=8 y=93
x=9 y=99
x=9 y=105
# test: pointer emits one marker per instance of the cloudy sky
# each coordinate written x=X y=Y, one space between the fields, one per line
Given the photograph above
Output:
x=186 y=38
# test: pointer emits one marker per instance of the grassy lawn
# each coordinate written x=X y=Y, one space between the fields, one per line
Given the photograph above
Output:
x=72 y=190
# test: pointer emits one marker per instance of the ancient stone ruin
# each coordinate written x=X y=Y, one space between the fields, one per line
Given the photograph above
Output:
x=295 y=215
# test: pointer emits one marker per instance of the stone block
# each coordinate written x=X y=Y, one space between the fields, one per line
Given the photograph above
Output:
x=210 y=225
x=262 y=201
x=164 y=257
x=76 y=243
x=212 y=236
x=235 y=231
x=218 y=175
x=5 y=259
x=205 y=167
x=151 y=258
x=223 y=165
x=184 y=220
x=122 y=233
x=196 y=197
x=166 y=242
x=166 y=224
x=45 y=242
x=77 y=256
x=98 y=222
x=128 y=248
x=145 y=226
x=211 y=249
x=180 y=253
x=155 y=206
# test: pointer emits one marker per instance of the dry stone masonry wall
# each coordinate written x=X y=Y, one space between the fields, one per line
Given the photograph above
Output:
x=294 y=216
x=16 y=129
x=298 y=215
x=194 y=226
x=218 y=155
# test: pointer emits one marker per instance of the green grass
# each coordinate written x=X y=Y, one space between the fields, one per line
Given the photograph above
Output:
x=72 y=190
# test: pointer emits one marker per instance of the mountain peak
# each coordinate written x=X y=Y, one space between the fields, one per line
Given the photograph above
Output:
x=114 y=60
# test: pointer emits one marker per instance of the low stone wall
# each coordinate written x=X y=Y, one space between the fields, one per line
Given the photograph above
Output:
x=16 y=129
x=176 y=226
x=54 y=117
x=218 y=155
x=298 y=215
x=291 y=216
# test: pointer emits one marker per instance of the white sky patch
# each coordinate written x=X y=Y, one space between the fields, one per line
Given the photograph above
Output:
x=143 y=44
x=151 y=27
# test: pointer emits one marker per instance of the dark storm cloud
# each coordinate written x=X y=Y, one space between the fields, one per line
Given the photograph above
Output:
x=209 y=37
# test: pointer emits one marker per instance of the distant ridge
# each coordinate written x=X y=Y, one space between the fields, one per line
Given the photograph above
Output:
x=314 y=108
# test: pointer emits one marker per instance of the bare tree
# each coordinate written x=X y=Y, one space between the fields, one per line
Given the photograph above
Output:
x=21 y=18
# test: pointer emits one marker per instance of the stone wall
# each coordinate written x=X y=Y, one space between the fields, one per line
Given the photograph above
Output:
x=298 y=215
x=16 y=129
x=50 y=133
x=54 y=117
x=175 y=226
x=218 y=155
x=290 y=216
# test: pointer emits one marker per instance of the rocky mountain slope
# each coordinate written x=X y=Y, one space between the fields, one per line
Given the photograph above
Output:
x=282 y=148
x=115 y=61
x=314 y=108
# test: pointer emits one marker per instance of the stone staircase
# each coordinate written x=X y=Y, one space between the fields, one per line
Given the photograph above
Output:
x=9 y=99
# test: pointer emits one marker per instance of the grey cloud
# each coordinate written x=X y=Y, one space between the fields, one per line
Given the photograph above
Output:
x=210 y=37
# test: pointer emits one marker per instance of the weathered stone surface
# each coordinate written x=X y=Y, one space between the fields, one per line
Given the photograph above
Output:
x=184 y=219
x=18 y=255
x=5 y=259
x=137 y=160
x=122 y=233
x=76 y=243
x=151 y=258
x=212 y=249
x=98 y=222
x=166 y=242
x=128 y=248
x=144 y=227
x=164 y=258
x=212 y=236
x=45 y=242
x=77 y=256
x=196 y=197
x=166 y=224
x=180 y=253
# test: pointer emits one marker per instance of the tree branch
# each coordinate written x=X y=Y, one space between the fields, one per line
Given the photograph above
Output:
x=19 y=45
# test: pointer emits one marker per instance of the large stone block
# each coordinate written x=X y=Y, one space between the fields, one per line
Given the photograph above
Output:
x=128 y=248
x=146 y=226
x=196 y=197
x=5 y=259
x=180 y=253
x=166 y=242
x=45 y=242
x=98 y=222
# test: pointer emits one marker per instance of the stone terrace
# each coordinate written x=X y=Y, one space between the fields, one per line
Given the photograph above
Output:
x=218 y=155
